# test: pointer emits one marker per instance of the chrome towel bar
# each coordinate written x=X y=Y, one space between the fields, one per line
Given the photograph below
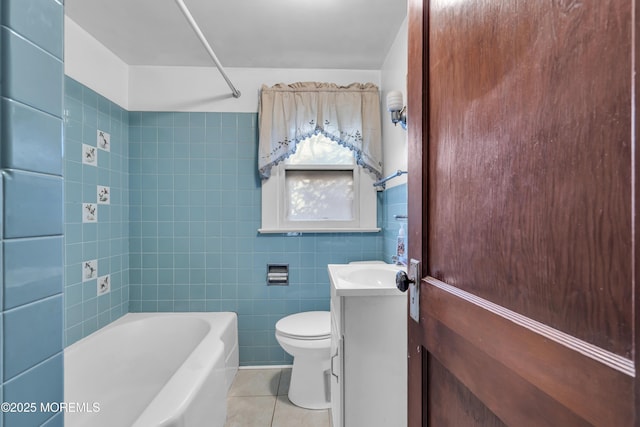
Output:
x=382 y=182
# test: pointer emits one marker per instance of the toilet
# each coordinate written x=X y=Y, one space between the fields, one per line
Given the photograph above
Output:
x=307 y=337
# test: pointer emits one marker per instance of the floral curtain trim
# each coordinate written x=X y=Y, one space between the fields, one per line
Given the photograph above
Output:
x=348 y=115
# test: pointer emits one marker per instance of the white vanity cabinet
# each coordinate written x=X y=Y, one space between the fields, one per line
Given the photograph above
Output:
x=369 y=359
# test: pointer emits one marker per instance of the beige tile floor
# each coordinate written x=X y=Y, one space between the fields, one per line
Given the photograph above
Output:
x=258 y=398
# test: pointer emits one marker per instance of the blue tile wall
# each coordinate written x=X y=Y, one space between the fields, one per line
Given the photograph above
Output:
x=23 y=324
x=33 y=268
x=32 y=204
x=37 y=139
x=195 y=209
x=40 y=384
x=31 y=301
x=191 y=206
x=394 y=204
x=106 y=240
x=32 y=76
x=39 y=21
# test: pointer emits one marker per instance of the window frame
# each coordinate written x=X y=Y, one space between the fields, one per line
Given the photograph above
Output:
x=274 y=202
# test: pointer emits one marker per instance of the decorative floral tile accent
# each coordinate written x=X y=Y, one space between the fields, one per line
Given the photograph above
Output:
x=89 y=270
x=104 y=284
x=89 y=212
x=104 y=195
x=104 y=141
x=89 y=155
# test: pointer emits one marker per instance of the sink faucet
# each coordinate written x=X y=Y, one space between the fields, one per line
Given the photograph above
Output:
x=398 y=261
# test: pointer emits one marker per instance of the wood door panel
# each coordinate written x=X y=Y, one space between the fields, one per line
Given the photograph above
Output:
x=520 y=373
x=452 y=404
x=523 y=208
x=511 y=399
x=529 y=160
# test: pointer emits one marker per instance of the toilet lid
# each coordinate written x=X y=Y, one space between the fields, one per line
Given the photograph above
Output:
x=306 y=325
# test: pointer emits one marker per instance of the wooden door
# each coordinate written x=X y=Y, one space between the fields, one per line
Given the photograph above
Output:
x=523 y=212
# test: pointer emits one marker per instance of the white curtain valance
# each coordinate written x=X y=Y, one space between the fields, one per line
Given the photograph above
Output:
x=349 y=115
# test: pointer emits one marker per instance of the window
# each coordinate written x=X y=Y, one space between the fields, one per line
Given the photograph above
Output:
x=319 y=188
x=319 y=153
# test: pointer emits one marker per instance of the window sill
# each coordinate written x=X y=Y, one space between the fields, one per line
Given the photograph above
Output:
x=317 y=230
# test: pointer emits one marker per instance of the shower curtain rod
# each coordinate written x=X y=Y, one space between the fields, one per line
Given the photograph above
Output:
x=194 y=25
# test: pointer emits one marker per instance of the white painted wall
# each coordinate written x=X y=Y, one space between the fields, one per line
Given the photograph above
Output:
x=89 y=62
x=204 y=89
x=138 y=88
x=394 y=77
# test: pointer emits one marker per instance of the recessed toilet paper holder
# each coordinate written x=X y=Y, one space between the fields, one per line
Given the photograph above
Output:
x=277 y=274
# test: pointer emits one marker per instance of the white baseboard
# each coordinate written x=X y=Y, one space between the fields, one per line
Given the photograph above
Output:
x=266 y=367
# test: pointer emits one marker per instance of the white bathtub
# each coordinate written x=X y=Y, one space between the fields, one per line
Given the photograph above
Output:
x=153 y=369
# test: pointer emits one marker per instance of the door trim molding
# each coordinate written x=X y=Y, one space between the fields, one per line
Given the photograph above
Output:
x=612 y=360
x=417 y=80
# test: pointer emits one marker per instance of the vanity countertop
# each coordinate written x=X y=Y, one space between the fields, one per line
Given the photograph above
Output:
x=364 y=279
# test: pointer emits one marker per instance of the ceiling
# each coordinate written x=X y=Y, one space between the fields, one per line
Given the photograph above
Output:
x=340 y=34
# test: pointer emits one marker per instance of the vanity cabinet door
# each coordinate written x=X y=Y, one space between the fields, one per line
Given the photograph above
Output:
x=375 y=361
x=336 y=367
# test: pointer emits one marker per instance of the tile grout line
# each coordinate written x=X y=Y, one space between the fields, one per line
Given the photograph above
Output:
x=275 y=403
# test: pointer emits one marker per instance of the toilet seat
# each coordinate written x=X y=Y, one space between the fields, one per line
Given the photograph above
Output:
x=309 y=325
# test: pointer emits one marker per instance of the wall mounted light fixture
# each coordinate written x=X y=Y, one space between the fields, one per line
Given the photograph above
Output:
x=397 y=108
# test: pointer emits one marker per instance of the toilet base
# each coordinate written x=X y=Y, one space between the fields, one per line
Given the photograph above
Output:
x=310 y=387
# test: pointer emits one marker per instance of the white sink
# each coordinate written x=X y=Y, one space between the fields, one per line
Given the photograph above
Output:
x=364 y=279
